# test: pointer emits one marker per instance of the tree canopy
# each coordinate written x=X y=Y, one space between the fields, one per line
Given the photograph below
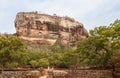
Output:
x=11 y=49
x=100 y=47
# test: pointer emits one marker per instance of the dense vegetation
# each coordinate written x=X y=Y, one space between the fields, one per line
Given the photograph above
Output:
x=101 y=48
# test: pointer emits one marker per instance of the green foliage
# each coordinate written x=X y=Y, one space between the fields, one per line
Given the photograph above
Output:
x=38 y=47
x=24 y=60
x=43 y=62
x=11 y=48
x=93 y=49
x=38 y=59
x=115 y=60
x=101 y=46
x=37 y=55
x=56 y=59
x=12 y=65
x=34 y=63
x=115 y=42
x=70 y=58
x=60 y=48
x=64 y=59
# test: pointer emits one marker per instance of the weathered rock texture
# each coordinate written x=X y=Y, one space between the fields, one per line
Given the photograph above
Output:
x=35 y=26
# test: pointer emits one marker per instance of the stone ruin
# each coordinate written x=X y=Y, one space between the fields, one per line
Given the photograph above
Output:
x=34 y=26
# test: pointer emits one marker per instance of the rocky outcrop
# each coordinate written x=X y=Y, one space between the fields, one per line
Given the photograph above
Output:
x=34 y=26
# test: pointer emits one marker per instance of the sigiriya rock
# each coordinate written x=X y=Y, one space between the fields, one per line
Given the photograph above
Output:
x=34 y=26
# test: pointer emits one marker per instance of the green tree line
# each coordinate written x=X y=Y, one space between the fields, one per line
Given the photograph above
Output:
x=101 y=48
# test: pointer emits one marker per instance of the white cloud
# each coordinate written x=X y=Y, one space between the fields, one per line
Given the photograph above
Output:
x=65 y=7
x=105 y=14
x=90 y=12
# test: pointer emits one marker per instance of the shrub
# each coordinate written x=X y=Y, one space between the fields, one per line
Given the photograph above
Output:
x=43 y=62
x=12 y=65
x=34 y=63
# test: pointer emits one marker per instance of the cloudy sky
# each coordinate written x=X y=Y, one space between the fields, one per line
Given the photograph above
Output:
x=91 y=13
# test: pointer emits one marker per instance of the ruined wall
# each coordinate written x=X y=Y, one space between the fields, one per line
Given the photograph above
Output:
x=48 y=27
x=59 y=74
x=94 y=74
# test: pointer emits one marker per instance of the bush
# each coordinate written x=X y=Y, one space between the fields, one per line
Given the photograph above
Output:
x=34 y=63
x=43 y=62
x=56 y=59
x=12 y=65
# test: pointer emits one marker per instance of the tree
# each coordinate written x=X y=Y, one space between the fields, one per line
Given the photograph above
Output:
x=93 y=49
x=56 y=59
x=11 y=48
x=24 y=59
x=112 y=33
x=101 y=46
x=115 y=41
x=70 y=58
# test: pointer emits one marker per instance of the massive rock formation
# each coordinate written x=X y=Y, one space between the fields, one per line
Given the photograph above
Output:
x=33 y=26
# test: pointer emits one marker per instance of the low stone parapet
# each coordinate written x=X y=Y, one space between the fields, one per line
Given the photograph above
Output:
x=59 y=74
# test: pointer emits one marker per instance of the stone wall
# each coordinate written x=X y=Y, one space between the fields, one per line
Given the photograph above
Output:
x=13 y=74
x=60 y=74
x=93 y=74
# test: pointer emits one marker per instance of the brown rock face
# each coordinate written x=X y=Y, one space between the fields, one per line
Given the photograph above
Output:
x=33 y=26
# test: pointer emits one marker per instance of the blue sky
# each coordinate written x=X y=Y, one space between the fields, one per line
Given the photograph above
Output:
x=91 y=13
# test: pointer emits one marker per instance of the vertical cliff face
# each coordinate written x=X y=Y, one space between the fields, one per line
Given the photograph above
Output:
x=33 y=26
